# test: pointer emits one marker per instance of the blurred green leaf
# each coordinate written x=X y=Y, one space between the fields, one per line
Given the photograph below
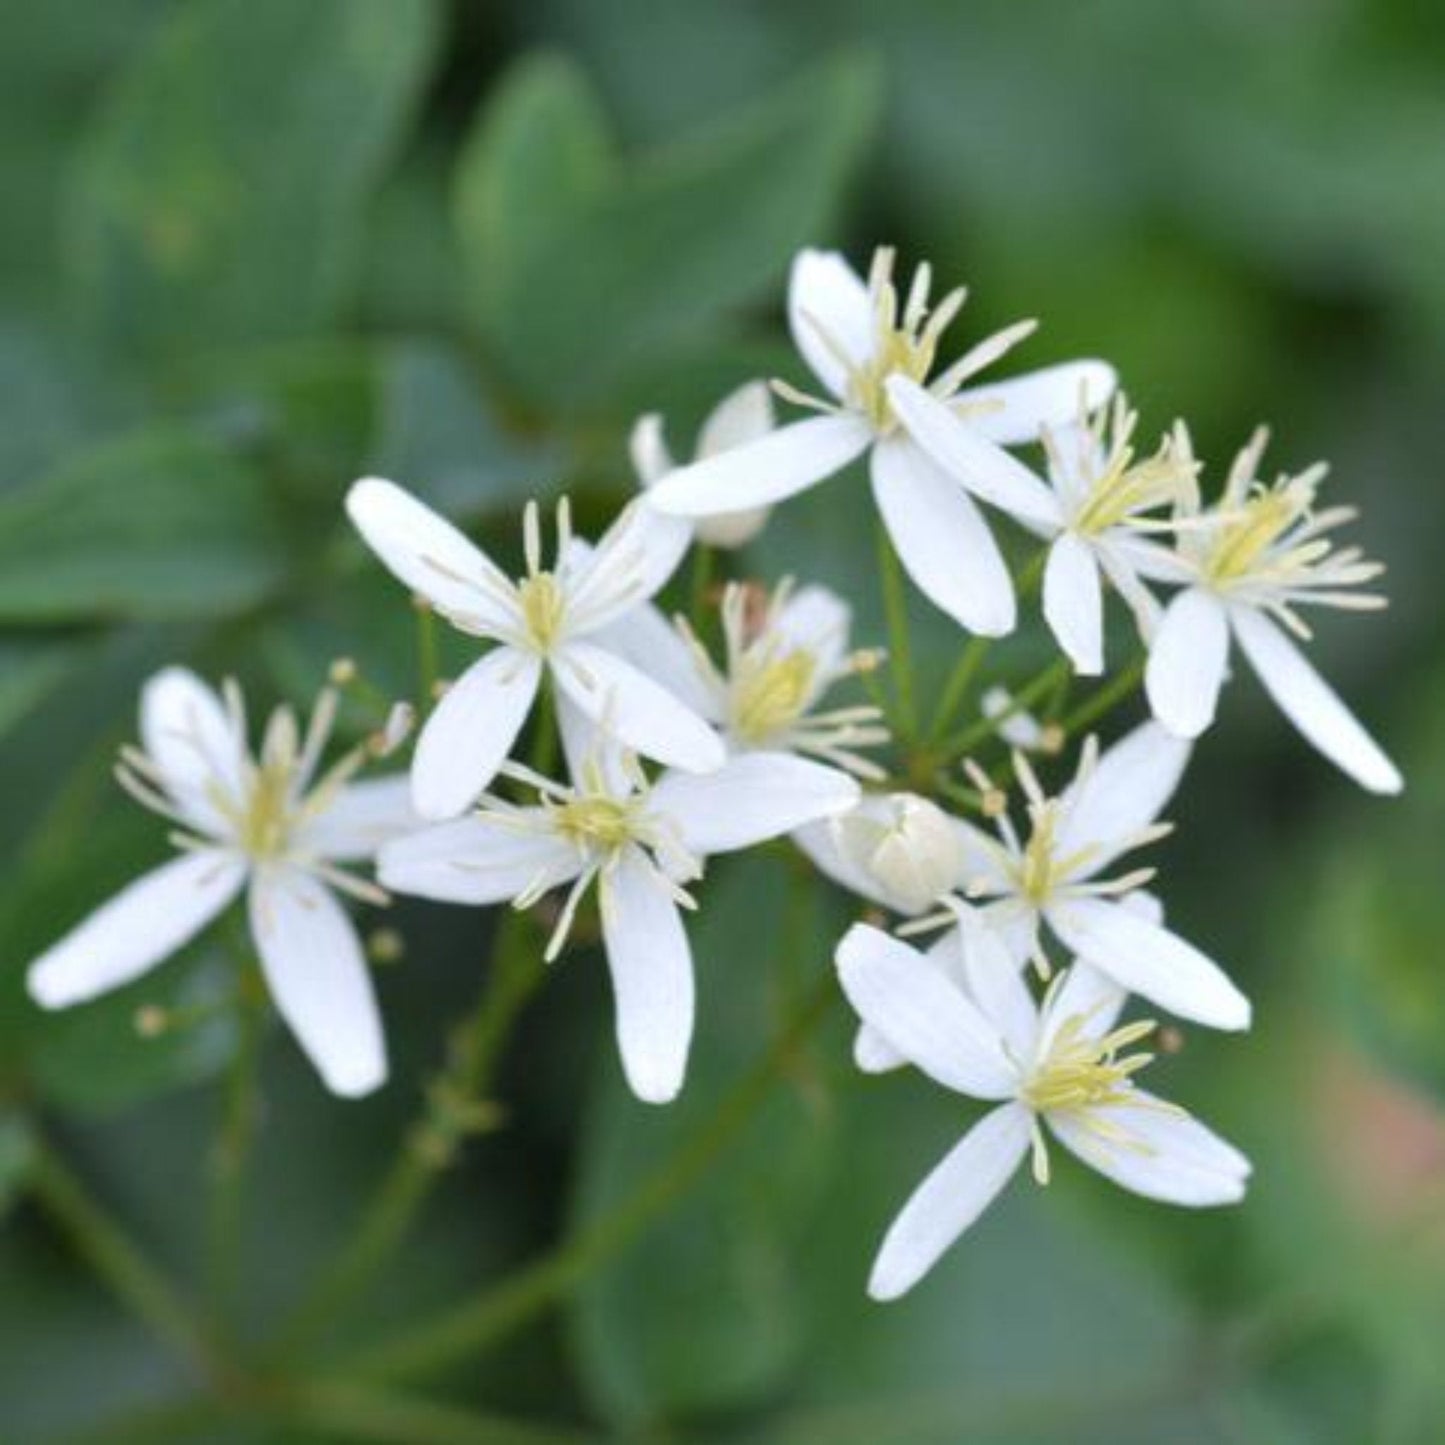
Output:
x=15 y=1155
x=29 y=669
x=623 y=269
x=706 y=1313
x=221 y=192
x=158 y=524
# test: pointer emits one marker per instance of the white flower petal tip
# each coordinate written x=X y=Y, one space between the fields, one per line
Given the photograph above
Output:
x=1074 y=603
x=1187 y=663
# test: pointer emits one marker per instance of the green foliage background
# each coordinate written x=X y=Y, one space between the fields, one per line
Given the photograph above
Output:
x=251 y=249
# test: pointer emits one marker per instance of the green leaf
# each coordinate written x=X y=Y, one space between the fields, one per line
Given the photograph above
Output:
x=29 y=669
x=614 y=272
x=159 y=524
x=15 y=1155
x=707 y=1312
x=220 y=196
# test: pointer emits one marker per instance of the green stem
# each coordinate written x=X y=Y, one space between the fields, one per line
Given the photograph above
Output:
x=118 y=1261
x=968 y=664
x=962 y=743
x=704 y=562
x=229 y=1157
x=456 y=1106
x=428 y=668
x=467 y=1329
x=900 y=656
x=1106 y=698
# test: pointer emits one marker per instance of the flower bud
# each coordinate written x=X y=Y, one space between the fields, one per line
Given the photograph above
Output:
x=911 y=849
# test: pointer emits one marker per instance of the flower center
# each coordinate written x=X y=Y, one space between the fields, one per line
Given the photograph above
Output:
x=596 y=821
x=1081 y=1072
x=264 y=826
x=771 y=694
x=543 y=606
x=1249 y=531
x=1122 y=490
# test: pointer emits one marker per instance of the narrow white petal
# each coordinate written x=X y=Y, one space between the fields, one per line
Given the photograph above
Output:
x=1074 y=602
x=960 y=1187
x=477 y=860
x=1173 y=1157
x=651 y=964
x=647 y=447
x=1150 y=961
x=193 y=740
x=825 y=294
x=423 y=550
x=967 y=455
x=645 y=638
x=360 y=819
x=759 y=473
x=1187 y=663
x=873 y=1054
x=587 y=745
x=871 y=1051
x=816 y=621
x=1013 y=412
x=1126 y=791
x=319 y=979
x=145 y=922
x=922 y=1014
x=1087 y=993
x=471 y=730
x=741 y=416
x=996 y=984
x=632 y=560
x=1312 y=705
x=639 y=711
x=751 y=798
x=941 y=538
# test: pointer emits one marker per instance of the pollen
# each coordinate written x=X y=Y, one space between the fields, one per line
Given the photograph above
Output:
x=599 y=822
x=1250 y=531
x=543 y=608
x=771 y=693
x=1081 y=1072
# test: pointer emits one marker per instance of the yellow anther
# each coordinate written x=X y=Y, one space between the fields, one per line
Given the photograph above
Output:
x=596 y=821
x=1083 y=1072
x=543 y=608
x=771 y=693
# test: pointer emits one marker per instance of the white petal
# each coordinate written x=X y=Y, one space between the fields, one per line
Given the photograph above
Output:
x=871 y=1051
x=996 y=984
x=651 y=964
x=1187 y=662
x=591 y=751
x=471 y=730
x=1087 y=993
x=145 y=922
x=967 y=455
x=816 y=621
x=941 y=539
x=1074 y=602
x=194 y=741
x=1012 y=412
x=645 y=638
x=639 y=711
x=923 y=1015
x=778 y=465
x=477 y=860
x=961 y=1186
x=360 y=819
x=741 y=416
x=825 y=294
x=751 y=798
x=1309 y=702
x=1150 y=961
x=647 y=447
x=633 y=559
x=820 y=842
x=428 y=554
x=1176 y=1159
x=319 y=979
x=873 y=1054
x=1126 y=791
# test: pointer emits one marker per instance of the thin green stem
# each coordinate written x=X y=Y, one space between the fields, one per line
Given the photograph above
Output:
x=229 y=1156
x=468 y=1328
x=456 y=1106
x=956 y=689
x=900 y=654
x=428 y=669
x=1104 y=700
x=962 y=743
x=704 y=564
x=130 y=1276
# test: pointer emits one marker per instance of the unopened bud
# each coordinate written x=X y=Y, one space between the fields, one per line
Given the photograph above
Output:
x=912 y=849
x=394 y=731
x=385 y=945
x=343 y=671
x=151 y=1021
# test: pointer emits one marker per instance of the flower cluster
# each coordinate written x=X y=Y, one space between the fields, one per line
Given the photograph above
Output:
x=704 y=734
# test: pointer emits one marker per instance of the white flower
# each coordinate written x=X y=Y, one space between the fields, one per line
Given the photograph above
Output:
x=1015 y=725
x=1061 y=1068
x=547 y=619
x=269 y=825
x=1104 y=500
x=1247 y=564
x=641 y=844
x=784 y=652
x=741 y=416
x=1054 y=877
x=930 y=444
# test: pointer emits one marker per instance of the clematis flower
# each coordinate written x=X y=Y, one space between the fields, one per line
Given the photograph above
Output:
x=741 y=416
x=641 y=844
x=272 y=826
x=545 y=620
x=783 y=652
x=931 y=443
x=1060 y=1070
x=1055 y=876
x=1105 y=504
x=1247 y=565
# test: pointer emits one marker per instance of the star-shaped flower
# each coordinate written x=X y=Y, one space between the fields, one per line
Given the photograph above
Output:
x=272 y=825
x=931 y=442
x=1060 y=1070
x=547 y=620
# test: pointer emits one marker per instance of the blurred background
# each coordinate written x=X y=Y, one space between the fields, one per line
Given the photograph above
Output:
x=251 y=249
